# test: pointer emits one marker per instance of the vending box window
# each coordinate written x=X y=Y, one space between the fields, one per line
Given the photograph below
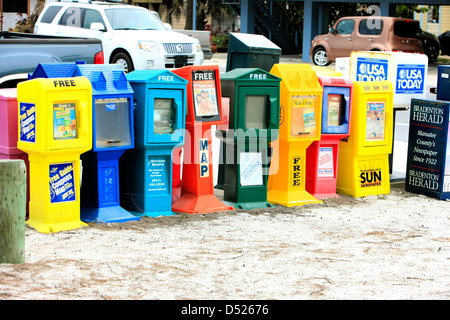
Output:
x=204 y=109
x=300 y=125
x=254 y=96
x=322 y=155
x=54 y=138
x=146 y=181
x=363 y=167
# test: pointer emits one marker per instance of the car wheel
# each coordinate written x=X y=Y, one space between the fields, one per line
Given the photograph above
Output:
x=432 y=51
x=124 y=61
x=320 y=57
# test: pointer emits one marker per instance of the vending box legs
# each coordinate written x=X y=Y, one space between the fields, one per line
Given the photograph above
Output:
x=55 y=128
x=363 y=167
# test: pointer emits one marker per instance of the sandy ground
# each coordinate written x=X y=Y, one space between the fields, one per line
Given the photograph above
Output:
x=388 y=247
x=395 y=246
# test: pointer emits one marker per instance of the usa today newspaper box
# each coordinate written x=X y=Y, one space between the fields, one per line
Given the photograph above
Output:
x=428 y=164
x=55 y=128
x=406 y=71
x=146 y=175
x=253 y=124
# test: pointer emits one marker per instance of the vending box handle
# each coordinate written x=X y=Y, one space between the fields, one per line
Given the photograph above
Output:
x=274 y=116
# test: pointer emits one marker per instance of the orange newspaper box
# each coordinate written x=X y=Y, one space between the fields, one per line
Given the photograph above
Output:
x=204 y=109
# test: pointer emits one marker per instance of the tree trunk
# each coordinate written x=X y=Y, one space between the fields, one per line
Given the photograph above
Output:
x=13 y=197
x=189 y=15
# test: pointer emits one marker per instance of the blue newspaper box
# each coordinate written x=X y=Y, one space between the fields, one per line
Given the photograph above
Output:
x=443 y=83
x=112 y=134
x=428 y=164
x=160 y=104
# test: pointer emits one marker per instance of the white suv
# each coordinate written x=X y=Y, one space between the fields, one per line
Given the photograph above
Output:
x=131 y=36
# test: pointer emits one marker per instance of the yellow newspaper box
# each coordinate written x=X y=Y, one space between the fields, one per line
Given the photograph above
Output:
x=300 y=125
x=55 y=128
x=363 y=167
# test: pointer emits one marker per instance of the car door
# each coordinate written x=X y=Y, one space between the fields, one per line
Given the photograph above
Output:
x=341 y=42
x=368 y=34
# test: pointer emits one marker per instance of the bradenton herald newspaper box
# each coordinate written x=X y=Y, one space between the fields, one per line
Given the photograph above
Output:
x=428 y=164
x=55 y=128
x=363 y=167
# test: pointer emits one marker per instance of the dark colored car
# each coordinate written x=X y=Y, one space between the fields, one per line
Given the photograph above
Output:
x=430 y=45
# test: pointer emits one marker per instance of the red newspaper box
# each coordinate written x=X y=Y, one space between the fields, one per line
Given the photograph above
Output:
x=322 y=155
x=204 y=109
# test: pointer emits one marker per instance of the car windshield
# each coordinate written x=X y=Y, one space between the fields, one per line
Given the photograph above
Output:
x=133 y=19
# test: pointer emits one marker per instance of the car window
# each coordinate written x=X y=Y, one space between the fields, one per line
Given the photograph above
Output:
x=91 y=16
x=372 y=27
x=133 y=19
x=407 y=29
x=72 y=17
x=50 y=14
x=345 y=27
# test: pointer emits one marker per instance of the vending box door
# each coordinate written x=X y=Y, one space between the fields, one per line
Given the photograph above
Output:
x=377 y=129
x=257 y=108
x=335 y=110
x=112 y=123
x=68 y=121
x=164 y=116
x=304 y=118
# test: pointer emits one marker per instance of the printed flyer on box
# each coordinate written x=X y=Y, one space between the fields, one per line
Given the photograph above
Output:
x=62 y=183
x=325 y=166
x=27 y=114
x=205 y=96
x=251 y=169
x=334 y=110
x=375 y=121
x=303 y=115
x=64 y=121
